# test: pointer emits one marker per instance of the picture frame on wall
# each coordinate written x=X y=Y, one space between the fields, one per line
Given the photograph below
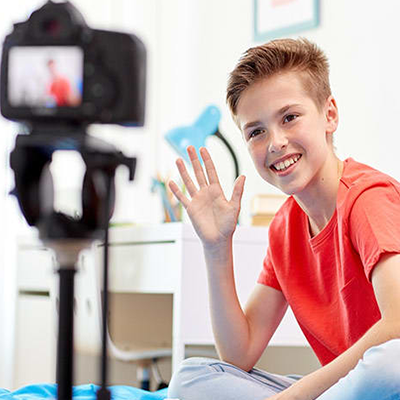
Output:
x=278 y=18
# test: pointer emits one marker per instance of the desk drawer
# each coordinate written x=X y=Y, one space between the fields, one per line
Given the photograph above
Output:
x=144 y=267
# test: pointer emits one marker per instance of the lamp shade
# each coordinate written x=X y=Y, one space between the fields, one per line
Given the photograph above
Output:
x=196 y=134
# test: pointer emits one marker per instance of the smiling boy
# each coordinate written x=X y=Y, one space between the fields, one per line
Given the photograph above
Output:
x=333 y=252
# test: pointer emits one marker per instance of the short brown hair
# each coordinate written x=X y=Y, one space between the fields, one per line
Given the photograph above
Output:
x=277 y=56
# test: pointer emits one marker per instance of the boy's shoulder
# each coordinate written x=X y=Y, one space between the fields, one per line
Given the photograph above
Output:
x=358 y=178
x=356 y=173
x=363 y=186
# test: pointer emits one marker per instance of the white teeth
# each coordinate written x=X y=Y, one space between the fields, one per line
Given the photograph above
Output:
x=287 y=163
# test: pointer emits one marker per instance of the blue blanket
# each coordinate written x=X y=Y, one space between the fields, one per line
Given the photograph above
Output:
x=80 y=392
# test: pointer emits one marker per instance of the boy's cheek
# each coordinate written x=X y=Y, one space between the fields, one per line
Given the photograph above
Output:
x=257 y=156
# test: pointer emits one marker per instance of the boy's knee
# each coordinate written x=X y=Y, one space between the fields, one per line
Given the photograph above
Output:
x=381 y=366
x=189 y=377
x=376 y=376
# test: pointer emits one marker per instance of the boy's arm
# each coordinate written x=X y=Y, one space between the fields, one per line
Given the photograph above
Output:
x=240 y=337
x=386 y=283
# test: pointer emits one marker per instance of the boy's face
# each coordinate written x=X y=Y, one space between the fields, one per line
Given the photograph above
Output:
x=285 y=132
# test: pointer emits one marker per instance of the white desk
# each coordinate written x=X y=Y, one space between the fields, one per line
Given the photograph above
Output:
x=169 y=259
x=158 y=286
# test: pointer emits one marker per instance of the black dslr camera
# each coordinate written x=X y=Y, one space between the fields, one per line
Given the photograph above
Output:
x=57 y=69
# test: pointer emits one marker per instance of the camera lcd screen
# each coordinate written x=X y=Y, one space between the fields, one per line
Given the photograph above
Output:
x=49 y=76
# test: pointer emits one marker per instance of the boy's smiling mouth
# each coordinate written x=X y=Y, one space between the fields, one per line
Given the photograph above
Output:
x=285 y=163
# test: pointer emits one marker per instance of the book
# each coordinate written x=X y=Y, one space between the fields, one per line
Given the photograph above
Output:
x=262 y=219
x=267 y=203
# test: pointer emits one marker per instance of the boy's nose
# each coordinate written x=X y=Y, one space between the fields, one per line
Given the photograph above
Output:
x=278 y=141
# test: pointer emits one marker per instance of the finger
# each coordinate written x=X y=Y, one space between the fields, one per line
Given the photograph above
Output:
x=210 y=167
x=197 y=168
x=178 y=194
x=238 y=189
x=187 y=180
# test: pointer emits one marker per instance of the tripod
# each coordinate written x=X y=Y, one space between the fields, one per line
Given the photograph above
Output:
x=65 y=235
x=67 y=253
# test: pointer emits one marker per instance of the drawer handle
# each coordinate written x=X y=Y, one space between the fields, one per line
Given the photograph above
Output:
x=37 y=293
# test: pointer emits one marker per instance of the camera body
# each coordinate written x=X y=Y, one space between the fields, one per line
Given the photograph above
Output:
x=56 y=70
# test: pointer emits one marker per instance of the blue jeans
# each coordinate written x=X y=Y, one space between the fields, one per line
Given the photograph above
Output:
x=375 y=377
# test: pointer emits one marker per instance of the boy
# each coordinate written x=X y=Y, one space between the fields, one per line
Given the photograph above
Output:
x=333 y=252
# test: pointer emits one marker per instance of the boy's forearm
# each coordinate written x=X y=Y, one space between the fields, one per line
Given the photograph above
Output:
x=314 y=384
x=230 y=326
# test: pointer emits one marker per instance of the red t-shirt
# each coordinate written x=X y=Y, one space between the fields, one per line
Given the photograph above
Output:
x=326 y=279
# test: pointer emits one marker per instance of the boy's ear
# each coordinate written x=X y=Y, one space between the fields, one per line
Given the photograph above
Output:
x=331 y=115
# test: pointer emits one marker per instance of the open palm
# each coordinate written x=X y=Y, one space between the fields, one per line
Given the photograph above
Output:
x=213 y=216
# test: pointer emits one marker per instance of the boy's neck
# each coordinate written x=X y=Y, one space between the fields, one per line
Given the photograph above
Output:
x=320 y=201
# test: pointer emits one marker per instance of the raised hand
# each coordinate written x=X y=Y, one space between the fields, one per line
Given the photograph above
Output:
x=213 y=216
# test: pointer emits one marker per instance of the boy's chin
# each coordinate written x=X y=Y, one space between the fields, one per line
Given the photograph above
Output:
x=289 y=190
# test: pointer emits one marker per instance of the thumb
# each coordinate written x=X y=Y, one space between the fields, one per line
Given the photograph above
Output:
x=238 y=189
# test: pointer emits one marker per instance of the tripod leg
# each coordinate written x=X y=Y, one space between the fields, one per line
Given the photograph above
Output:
x=143 y=374
x=65 y=334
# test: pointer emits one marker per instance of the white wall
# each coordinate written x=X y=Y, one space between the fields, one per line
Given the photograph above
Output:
x=192 y=45
x=361 y=40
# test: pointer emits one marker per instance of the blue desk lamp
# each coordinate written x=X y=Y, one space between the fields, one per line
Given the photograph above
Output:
x=197 y=133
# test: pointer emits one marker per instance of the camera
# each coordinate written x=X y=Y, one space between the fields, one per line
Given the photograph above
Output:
x=55 y=69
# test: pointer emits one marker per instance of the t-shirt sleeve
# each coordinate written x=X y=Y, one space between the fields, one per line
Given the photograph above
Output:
x=375 y=224
x=267 y=276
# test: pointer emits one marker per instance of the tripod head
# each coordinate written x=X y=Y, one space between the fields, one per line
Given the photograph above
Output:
x=31 y=159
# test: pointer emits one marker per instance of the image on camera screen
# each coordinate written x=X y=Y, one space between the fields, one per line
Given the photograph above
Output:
x=48 y=76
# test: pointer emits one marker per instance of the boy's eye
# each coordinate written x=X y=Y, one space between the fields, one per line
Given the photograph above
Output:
x=289 y=118
x=255 y=133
